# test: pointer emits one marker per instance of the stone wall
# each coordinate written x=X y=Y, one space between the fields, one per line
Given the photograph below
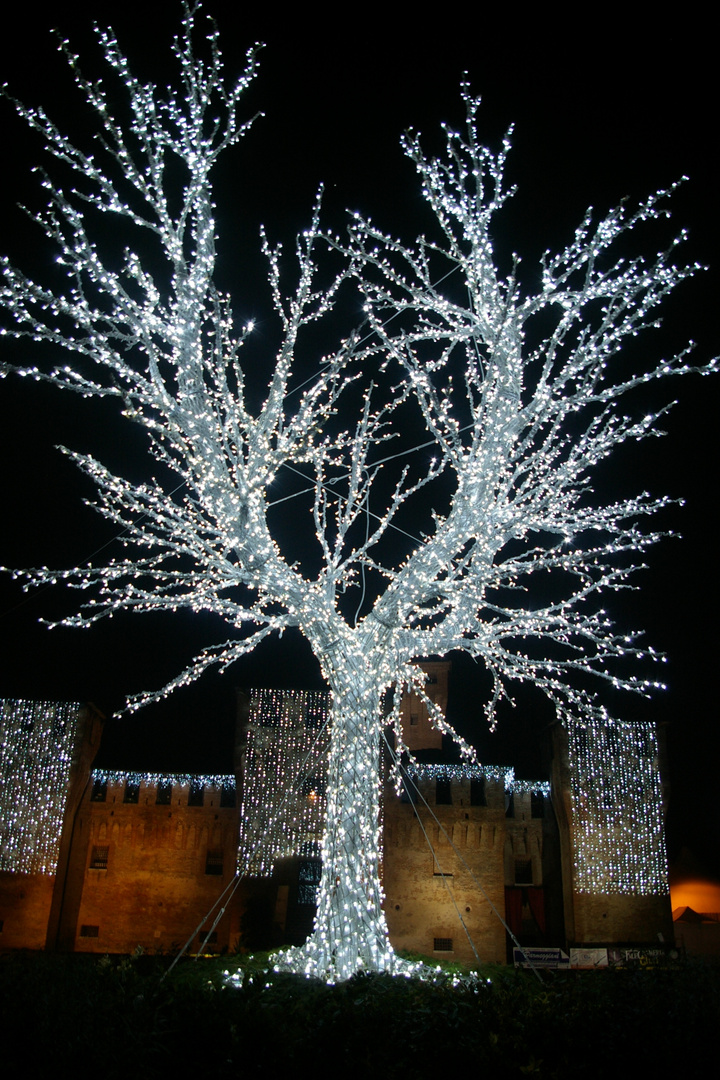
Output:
x=418 y=731
x=141 y=860
x=424 y=895
x=25 y=901
x=610 y=919
x=148 y=872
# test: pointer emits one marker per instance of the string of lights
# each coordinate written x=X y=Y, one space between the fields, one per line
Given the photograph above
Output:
x=37 y=743
x=285 y=778
x=619 y=840
x=118 y=778
x=475 y=771
x=519 y=387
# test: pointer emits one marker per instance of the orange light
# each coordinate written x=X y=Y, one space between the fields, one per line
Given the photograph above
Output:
x=701 y=894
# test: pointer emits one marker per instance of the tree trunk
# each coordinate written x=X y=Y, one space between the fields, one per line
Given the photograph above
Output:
x=350 y=931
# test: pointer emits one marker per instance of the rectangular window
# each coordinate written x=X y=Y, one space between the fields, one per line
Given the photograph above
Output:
x=443 y=793
x=132 y=793
x=477 y=792
x=163 y=796
x=523 y=872
x=537 y=805
x=89 y=931
x=443 y=944
x=99 y=858
x=196 y=795
x=99 y=791
x=227 y=795
x=214 y=863
x=307 y=894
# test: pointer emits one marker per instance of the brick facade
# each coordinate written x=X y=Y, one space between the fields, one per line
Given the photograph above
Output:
x=145 y=873
x=142 y=860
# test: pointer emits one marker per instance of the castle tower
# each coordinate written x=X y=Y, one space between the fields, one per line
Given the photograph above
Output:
x=608 y=797
x=46 y=752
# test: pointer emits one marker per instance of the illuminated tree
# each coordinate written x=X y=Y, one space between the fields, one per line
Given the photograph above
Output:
x=478 y=529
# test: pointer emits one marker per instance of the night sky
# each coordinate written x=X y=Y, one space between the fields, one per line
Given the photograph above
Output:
x=602 y=112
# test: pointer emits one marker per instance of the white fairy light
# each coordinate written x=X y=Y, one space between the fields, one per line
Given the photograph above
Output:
x=285 y=778
x=503 y=773
x=617 y=820
x=119 y=778
x=516 y=436
x=37 y=743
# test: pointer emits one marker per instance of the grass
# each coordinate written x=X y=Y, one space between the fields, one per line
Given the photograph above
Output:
x=115 y=1014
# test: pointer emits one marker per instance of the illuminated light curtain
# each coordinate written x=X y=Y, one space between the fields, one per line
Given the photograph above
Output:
x=37 y=741
x=618 y=832
x=285 y=779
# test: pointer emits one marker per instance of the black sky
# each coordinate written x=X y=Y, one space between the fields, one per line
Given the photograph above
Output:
x=603 y=110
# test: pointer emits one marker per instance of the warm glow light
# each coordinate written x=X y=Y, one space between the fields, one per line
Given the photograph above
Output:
x=700 y=894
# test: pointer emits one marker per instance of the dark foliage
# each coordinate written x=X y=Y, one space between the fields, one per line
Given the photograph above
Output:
x=113 y=1017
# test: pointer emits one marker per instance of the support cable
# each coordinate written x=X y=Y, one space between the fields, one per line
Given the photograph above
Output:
x=196 y=932
x=240 y=876
x=408 y=779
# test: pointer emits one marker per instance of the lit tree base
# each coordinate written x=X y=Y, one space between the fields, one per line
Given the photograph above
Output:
x=307 y=961
x=313 y=962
